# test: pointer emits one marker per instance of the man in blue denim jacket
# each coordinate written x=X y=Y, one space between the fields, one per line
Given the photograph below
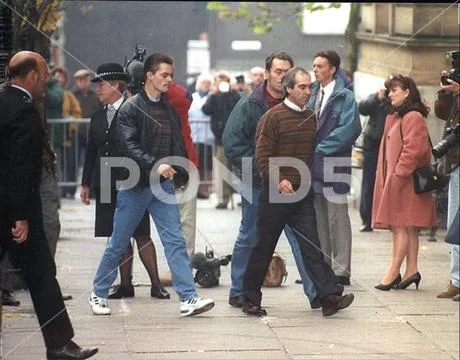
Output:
x=337 y=128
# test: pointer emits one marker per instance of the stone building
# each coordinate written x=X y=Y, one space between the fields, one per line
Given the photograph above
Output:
x=406 y=38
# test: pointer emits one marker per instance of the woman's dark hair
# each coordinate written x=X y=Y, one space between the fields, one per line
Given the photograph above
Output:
x=413 y=100
x=152 y=63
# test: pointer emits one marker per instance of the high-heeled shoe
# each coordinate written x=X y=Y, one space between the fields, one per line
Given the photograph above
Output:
x=416 y=278
x=159 y=292
x=393 y=284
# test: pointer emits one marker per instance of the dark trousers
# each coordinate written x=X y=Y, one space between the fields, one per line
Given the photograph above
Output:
x=367 y=185
x=39 y=271
x=271 y=220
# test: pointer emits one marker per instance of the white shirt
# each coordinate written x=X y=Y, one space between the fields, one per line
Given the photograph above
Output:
x=200 y=123
x=328 y=89
x=118 y=103
x=21 y=88
x=293 y=106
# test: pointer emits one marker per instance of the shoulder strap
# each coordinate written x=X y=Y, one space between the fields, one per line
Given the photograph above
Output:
x=400 y=129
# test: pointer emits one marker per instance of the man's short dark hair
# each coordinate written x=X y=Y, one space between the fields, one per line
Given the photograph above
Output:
x=152 y=63
x=21 y=69
x=280 y=55
x=332 y=57
x=289 y=78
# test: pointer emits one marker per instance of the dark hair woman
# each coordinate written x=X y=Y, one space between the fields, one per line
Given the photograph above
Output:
x=405 y=146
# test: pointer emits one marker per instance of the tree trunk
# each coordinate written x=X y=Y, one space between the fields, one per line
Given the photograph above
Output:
x=351 y=58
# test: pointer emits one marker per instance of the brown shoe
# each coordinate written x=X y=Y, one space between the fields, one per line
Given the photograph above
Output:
x=450 y=292
x=334 y=303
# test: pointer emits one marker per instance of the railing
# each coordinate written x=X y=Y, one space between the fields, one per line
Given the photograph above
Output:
x=68 y=137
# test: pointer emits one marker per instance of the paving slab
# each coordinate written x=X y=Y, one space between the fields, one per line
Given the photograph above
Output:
x=401 y=325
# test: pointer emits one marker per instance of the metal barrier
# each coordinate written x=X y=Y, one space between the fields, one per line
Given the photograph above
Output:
x=68 y=137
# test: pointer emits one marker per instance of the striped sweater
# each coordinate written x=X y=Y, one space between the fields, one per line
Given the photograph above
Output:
x=285 y=132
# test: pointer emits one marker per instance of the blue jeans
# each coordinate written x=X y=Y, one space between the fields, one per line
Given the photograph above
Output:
x=245 y=241
x=452 y=207
x=131 y=206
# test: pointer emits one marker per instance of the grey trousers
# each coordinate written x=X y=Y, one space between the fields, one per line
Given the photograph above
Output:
x=221 y=188
x=334 y=231
x=49 y=194
x=187 y=212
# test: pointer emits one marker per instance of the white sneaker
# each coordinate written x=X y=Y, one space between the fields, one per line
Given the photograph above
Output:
x=195 y=306
x=99 y=306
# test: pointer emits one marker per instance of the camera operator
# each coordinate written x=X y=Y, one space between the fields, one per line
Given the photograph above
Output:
x=447 y=108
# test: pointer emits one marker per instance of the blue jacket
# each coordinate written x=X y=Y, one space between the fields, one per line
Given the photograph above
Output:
x=239 y=137
x=337 y=128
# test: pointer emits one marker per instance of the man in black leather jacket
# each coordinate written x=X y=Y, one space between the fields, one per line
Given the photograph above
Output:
x=149 y=133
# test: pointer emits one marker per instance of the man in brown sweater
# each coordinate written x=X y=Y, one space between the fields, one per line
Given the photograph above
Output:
x=286 y=136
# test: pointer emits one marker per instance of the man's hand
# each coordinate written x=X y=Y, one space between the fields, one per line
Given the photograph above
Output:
x=84 y=195
x=453 y=87
x=285 y=187
x=20 y=231
x=166 y=171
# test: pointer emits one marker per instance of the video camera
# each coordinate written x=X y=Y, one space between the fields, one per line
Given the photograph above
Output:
x=454 y=73
x=135 y=68
x=447 y=143
x=208 y=268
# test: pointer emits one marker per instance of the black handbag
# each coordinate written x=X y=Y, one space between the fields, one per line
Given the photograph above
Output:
x=427 y=178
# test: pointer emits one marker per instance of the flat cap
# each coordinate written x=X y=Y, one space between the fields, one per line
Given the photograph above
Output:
x=82 y=73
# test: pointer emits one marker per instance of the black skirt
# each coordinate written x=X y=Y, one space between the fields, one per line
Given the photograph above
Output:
x=104 y=217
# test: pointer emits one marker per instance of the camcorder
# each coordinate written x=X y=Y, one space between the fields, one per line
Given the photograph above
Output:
x=447 y=143
x=454 y=73
x=135 y=68
x=208 y=268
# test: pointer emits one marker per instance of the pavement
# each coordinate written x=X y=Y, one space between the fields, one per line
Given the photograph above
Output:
x=403 y=324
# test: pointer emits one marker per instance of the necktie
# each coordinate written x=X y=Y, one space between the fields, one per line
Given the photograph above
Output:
x=110 y=113
x=319 y=102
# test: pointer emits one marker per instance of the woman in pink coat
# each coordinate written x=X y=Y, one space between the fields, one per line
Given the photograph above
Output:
x=405 y=147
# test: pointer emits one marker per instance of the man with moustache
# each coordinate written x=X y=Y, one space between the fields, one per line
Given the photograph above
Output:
x=239 y=142
x=287 y=130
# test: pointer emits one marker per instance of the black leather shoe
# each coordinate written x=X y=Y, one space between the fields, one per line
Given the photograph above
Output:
x=415 y=278
x=344 y=280
x=365 y=228
x=122 y=292
x=159 y=292
x=315 y=304
x=253 y=310
x=391 y=285
x=334 y=303
x=299 y=281
x=236 y=301
x=70 y=351
x=9 y=300
x=67 y=297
